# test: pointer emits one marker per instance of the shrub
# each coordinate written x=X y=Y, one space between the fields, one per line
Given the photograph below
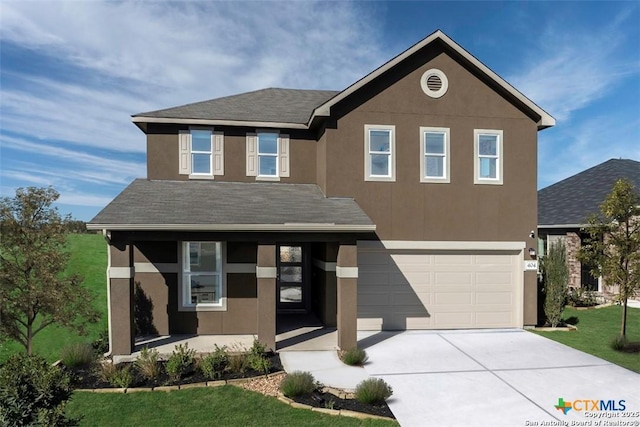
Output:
x=373 y=391
x=147 y=363
x=556 y=276
x=619 y=343
x=257 y=349
x=259 y=364
x=238 y=363
x=298 y=384
x=214 y=364
x=32 y=392
x=181 y=362
x=580 y=297
x=101 y=344
x=121 y=377
x=77 y=354
x=355 y=357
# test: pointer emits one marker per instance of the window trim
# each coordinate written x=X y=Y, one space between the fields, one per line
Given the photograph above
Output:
x=275 y=177
x=182 y=293
x=391 y=177
x=446 y=179
x=498 y=180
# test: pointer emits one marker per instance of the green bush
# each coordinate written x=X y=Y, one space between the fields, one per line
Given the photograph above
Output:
x=259 y=364
x=32 y=392
x=556 y=277
x=213 y=365
x=117 y=376
x=77 y=354
x=298 y=384
x=257 y=349
x=373 y=391
x=101 y=344
x=619 y=343
x=354 y=357
x=147 y=363
x=580 y=297
x=238 y=363
x=181 y=362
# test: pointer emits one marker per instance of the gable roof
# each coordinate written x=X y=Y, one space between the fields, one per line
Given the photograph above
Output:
x=297 y=109
x=272 y=106
x=569 y=202
x=229 y=206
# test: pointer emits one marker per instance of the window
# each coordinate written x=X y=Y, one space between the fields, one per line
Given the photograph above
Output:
x=434 y=166
x=202 y=279
x=488 y=156
x=267 y=155
x=201 y=153
x=379 y=152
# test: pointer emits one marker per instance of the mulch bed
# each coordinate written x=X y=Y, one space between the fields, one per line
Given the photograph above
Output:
x=88 y=377
x=321 y=399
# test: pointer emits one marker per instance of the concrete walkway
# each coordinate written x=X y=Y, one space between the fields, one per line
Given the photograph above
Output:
x=325 y=366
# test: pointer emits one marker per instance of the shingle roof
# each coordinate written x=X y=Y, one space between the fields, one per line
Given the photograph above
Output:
x=572 y=200
x=147 y=204
x=266 y=105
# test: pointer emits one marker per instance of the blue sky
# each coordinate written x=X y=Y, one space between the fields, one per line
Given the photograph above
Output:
x=72 y=73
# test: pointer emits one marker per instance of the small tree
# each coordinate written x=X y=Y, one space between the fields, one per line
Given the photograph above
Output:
x=556 y=277
x=613 y=243
x=34 y=291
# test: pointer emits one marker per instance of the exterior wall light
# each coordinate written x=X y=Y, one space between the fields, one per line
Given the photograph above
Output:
x=532 y=252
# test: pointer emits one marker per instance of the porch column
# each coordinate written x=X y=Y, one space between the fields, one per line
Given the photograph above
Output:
x=266 y=274
x=121 y=272
x=347 y=278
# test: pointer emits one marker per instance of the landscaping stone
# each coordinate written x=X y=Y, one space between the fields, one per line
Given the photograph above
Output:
x=217 y=383
x=138 y=389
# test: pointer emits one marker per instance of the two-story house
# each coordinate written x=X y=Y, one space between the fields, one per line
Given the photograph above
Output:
x=405 y=201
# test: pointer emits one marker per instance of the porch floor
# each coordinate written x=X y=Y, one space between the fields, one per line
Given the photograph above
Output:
x=304 y=332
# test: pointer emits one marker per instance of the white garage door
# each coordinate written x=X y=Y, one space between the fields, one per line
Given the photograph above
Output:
x=438 y=289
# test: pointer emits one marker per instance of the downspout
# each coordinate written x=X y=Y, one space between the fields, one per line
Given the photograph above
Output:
x=107 y=238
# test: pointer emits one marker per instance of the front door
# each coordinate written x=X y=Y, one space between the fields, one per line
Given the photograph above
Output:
x=292 y=292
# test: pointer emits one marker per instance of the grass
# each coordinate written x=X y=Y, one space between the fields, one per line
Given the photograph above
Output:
x=225 y=406
x=596 y=329
x=88 y=258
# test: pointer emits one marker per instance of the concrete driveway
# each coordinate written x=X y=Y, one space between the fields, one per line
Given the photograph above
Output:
x=496 y=378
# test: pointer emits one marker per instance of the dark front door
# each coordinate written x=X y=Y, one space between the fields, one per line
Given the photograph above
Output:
x=292 y=289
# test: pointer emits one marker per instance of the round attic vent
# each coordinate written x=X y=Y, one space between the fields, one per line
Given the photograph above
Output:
x=434 y=83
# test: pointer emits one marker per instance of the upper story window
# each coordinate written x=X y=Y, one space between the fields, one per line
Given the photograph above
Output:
x=201 y=153
x=379 y=150
x=434 y=165
x=488 y=156
x=202 y=278
x=267 y=155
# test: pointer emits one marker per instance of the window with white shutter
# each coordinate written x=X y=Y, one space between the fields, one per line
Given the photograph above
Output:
x=268 y=155
x=201 y=153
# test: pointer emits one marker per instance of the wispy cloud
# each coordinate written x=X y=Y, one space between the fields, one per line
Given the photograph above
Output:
x=573 y=67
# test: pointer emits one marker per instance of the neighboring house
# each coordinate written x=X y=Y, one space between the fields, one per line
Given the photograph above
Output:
x=564 y=207
x=405 y=201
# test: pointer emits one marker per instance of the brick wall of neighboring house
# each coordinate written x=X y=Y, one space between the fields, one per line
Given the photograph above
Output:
x=572 y=241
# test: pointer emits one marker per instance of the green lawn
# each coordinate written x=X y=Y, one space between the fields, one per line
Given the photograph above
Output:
x=88 y=258
x=596 y=328
x=220 y=406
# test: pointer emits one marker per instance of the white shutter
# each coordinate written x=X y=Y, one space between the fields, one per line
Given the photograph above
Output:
x=184 y=145
x=284 y=155
x=252 y=154
x=218 y=153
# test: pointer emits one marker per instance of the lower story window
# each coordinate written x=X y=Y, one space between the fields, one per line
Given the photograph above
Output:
x=202 y=274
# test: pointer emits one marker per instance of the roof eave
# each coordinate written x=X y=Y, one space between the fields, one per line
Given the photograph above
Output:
x=563 y=225
x=287 y=227
x=545 y=121
x=208 y=122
